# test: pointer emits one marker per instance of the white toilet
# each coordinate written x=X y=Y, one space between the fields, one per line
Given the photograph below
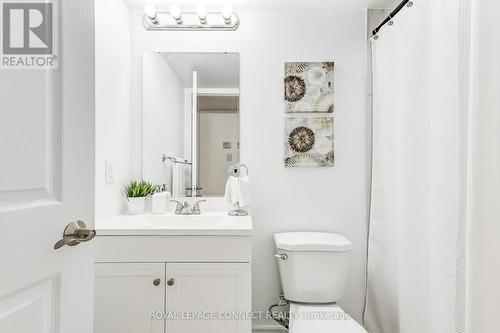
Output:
x=313 y=269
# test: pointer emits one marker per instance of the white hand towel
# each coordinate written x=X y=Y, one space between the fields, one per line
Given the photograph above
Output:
x=178 y=179
x=238 y=191
x=243 y=195
x=229 y=194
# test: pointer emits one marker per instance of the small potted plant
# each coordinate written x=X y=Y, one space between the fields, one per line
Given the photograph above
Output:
x=136 y=193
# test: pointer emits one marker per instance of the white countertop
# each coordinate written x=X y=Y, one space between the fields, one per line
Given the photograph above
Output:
x=205 y=224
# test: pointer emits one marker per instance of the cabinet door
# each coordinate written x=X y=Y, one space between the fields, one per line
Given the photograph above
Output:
x=125 y=296
x=208 y=288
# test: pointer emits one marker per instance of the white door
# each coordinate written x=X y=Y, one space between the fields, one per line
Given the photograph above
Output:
x=126 y=295
x=218 y=290
x=46 y=171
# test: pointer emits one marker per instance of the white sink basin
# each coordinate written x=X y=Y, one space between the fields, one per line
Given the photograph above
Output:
x=213 y=223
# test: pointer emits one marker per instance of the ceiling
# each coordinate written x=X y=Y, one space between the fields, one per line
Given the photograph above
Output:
x=268 y=4
x=215 y=70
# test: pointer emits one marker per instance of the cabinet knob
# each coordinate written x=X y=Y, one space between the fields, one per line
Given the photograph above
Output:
x=170 y=282
x=156 y=282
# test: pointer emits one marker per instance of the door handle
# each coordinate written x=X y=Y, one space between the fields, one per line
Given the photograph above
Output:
x=75 y=233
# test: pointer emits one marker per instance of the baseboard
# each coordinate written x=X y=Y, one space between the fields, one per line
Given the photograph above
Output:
x=268 y=328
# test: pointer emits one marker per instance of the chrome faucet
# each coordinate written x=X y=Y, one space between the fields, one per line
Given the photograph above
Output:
x=186 y=209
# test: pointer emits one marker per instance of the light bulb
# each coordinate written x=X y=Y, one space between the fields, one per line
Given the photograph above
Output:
x=201 y=11
x=150 y=11
x=175 y=11
x=227 y=13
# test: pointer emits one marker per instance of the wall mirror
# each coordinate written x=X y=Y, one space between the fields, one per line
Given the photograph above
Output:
x=190 y=120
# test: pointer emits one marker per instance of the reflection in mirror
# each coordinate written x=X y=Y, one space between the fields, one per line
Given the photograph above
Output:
x=218 y=141
x=173 y=154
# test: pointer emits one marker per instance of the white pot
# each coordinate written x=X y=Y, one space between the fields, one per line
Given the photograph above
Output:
x=136 y=205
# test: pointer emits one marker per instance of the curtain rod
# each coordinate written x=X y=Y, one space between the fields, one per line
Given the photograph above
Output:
x=392 y=14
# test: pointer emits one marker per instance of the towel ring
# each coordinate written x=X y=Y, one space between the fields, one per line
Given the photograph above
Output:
x=235 y=170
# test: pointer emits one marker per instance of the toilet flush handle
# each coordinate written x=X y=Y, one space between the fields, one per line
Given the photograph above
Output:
x=281 y=256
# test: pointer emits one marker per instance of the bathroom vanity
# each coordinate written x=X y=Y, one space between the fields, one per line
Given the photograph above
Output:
x=159 y=273
x=172 y=273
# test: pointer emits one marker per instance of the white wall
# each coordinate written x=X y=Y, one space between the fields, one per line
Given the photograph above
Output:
x=163 y=116
x=286 y=199
x=113 y=126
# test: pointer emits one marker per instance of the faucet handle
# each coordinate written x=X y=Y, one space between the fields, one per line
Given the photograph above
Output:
x=178 y=207
x=196 y=206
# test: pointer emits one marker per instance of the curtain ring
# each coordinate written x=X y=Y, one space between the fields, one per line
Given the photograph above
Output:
x=391 y=22
x=409 y=4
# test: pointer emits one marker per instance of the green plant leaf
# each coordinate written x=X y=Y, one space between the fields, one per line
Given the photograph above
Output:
x=138 y=189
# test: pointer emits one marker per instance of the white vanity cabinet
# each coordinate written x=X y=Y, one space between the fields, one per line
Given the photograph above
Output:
x=218 y=290
x=125 y=294
x=199 y=282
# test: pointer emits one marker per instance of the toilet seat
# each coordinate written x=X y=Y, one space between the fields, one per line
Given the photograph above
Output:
x=328 y=318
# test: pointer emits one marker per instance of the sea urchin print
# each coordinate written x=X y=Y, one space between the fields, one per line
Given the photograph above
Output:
x=302 y=159
x=301 y=139
x=295 y=68
x=295 y=88
x=316 y=76
x=324 y=101
x=322 y=125
x=328 y=66
x=308 y=141
x=309 y=84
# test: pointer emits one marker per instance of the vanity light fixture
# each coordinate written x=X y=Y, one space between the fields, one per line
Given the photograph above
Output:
x=227 y=14
x=202 y=11
x=200 y=19
x=176 y=13
x=150 y=13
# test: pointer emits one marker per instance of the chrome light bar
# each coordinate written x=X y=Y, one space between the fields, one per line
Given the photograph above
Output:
x=191 y=21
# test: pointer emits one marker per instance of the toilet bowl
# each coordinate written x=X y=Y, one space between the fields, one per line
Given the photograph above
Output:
x=313 y=269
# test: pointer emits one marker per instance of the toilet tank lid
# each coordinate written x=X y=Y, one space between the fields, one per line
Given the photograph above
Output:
x=311 y=241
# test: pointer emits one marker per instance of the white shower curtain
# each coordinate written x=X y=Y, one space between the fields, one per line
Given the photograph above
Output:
x=416 y=236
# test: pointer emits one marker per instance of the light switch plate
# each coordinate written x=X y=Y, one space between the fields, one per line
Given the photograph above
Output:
x=109 y=167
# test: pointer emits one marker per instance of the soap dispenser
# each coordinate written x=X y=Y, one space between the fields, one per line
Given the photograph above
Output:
x=159 y=200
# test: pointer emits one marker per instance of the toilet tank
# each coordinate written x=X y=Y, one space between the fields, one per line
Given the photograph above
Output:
x=313 y=266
